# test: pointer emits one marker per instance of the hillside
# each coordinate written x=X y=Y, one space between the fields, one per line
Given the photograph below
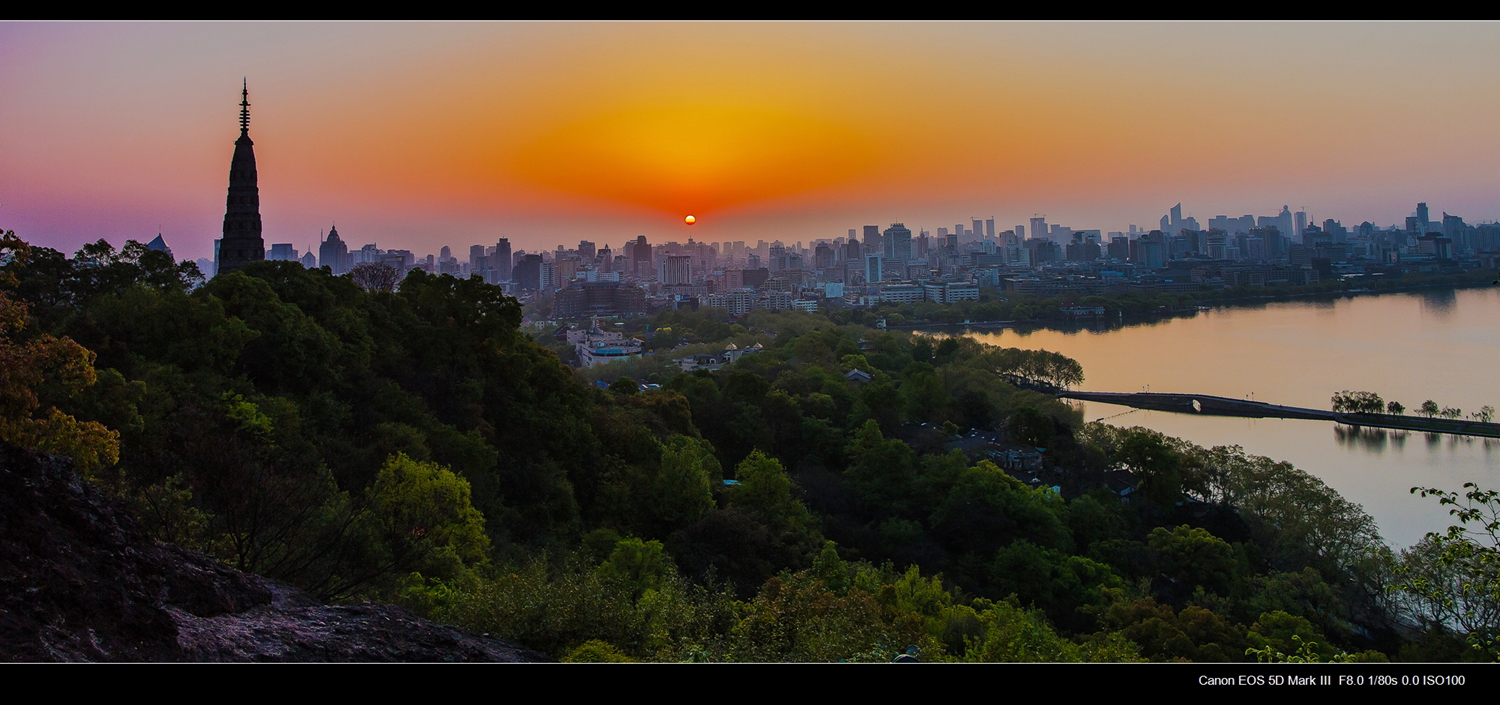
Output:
x=80 y=581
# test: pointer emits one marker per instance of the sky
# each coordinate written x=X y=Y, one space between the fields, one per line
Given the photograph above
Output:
x=420 y=135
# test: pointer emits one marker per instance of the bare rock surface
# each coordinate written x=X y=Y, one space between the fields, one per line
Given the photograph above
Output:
x=80 y=581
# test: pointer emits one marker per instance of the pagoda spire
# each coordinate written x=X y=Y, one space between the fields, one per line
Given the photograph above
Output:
x=245 y=107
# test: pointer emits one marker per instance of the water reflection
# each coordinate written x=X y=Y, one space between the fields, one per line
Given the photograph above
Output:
x=1439 y=303
x=1373 y=440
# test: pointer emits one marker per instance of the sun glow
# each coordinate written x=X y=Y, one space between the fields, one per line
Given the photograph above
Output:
x=693 y=158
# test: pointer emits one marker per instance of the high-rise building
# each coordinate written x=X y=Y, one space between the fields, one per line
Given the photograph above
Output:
x=242 y=243
x=502 y=260
x=159 y=243
x=527 y=274
x=1038 y=227
x=641 y=255
x=898 y=242
x=678 y=270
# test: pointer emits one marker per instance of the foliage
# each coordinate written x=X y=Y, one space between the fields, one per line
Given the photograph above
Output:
x=1455 y=576
x=48 y=367
x=1358 y=402
x=425 y=513
x=375 y=276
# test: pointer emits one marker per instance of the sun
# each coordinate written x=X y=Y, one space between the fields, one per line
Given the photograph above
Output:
x=690 y=220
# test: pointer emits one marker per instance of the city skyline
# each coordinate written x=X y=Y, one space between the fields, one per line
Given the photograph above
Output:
x=547 y=133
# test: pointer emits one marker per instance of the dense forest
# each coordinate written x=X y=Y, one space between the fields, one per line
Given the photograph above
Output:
x=414 y=445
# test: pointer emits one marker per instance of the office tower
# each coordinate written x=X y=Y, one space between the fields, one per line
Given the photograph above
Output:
x=502 y=260
x=823 y=256
x=1021 y=232
x=678 y=269
x=978 y=231
x=872 y=268
x=282 y=252
x=476 y=253
x=242 y=243
x=1422 y=219
x=898 y=242
x=641 y=254
x=989 y=228
x=334 y=254
x=1039 y=227
x=586 y=250
x=527 y=274
x=1301 y=223
x=872 y=239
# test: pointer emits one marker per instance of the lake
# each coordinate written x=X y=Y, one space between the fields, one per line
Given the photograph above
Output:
x=1442 y=345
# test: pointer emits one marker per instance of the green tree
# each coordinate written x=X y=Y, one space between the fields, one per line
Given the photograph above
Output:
x=426 y=517
x=29 y=369
x=1455 y=576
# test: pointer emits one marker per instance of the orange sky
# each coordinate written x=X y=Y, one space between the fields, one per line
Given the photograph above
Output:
x=423 y=135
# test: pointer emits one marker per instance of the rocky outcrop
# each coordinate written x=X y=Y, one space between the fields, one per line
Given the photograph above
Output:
x=80 y=581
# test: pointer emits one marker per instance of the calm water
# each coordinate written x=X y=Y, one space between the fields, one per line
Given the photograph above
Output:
x=1439 y=345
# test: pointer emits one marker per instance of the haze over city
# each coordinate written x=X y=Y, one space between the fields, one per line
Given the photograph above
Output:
x=418 y=136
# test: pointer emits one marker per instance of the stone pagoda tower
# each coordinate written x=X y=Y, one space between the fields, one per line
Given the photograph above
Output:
x=242 y=242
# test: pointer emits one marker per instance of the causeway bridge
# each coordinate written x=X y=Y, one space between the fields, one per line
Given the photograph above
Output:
x=1209 y=405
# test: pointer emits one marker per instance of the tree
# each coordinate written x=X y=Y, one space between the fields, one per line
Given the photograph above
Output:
x=35 y=367
x=1394 y=407
x=1148 y=455
x=1429 y=408
x=427 y=518
x=624 y=385
x=1358 y=402
x=375 y=276
x=1455 y=576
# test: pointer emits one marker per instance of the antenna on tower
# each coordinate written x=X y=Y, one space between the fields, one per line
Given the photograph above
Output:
x=245 y=107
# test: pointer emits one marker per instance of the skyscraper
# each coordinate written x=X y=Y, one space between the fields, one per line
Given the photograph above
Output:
x=242 y=242
x=678 y=270
x=334 y=254
x=898 y=242
x=503 y=260
x=641 y=255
